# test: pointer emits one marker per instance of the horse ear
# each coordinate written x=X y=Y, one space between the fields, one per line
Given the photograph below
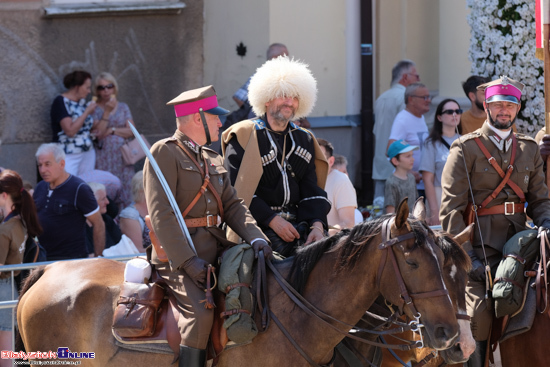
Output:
x=419 y=209
x=465 y=235
x=402 y=213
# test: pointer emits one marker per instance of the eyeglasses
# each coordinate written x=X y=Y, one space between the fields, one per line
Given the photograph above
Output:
x=103 y=87
x=452 y=112
x=415 y=75
x=426 y=98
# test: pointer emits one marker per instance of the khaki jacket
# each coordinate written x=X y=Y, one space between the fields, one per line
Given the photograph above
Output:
x=466 y=157
x=184 y=180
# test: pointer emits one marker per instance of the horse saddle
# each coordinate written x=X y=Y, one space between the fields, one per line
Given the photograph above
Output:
x=164 y=336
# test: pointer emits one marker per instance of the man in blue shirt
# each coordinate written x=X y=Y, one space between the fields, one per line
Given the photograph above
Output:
x=64 y=202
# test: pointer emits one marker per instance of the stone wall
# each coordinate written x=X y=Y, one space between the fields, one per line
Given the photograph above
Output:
x=153 y=56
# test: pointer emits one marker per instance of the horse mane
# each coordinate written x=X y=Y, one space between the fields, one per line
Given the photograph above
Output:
x=349 y=244
x=452 y=250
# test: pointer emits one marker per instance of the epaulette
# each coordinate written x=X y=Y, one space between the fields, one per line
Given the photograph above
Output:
x=525 y=137
x=469 y=136
x=210 y=150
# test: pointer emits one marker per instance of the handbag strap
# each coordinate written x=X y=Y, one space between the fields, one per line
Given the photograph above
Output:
x=206 y=183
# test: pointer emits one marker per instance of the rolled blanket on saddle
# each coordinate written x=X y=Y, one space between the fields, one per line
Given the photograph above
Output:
x=235 y=279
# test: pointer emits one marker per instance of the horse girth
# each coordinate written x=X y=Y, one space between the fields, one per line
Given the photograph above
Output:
x=387 y=247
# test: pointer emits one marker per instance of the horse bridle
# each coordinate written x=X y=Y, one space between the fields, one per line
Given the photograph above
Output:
x=405 y=295
x=311 y=310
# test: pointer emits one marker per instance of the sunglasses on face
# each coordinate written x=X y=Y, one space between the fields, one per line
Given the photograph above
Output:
x=452 y=112
x=103 y=87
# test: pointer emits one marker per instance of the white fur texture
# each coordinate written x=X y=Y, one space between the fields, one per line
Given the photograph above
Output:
x=283 y=77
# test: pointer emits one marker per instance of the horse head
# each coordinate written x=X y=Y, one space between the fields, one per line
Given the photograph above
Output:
x=414 y=283
x=455 y=274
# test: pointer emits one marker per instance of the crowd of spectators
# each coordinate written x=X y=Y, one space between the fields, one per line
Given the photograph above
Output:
x=85 y=181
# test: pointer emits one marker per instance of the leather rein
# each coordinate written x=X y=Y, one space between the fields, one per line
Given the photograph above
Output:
x=310 y=309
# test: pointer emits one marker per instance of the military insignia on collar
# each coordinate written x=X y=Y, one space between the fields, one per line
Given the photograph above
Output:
x=194 y=147
x=502 y=144
x=505 y=80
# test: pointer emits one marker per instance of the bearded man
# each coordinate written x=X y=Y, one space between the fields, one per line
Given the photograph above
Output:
x=276 y=166
x=503 y=170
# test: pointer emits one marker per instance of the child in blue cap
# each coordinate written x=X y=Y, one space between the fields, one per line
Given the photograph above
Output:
x=401 y=183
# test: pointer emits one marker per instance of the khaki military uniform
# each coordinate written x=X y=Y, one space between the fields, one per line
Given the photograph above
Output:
x=466 y=157
x=185 y=180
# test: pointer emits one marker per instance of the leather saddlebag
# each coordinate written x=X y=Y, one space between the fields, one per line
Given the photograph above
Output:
x=137 y=309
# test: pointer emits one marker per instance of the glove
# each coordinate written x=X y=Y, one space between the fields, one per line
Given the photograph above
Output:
x=260 y=245
x=196 y=267
x=544 y=146
x=477 y=272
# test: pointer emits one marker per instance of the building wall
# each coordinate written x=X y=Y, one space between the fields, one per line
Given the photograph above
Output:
x=153 y=57
x=434 y=34
x=322 y=33
x=454 y=43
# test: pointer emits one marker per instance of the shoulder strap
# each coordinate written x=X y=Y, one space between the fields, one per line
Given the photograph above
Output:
x=505 y=176
x=206 y=183
x=444 y=142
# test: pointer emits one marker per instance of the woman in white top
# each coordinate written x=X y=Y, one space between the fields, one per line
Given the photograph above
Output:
x=446 y=129
x=132 y=222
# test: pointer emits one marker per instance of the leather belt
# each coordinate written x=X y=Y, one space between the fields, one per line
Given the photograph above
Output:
x=508 y=208
x=208 y=221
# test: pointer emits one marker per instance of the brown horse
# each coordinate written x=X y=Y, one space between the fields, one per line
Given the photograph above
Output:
x=529 y=348
x=70 y=304
x=455 y=275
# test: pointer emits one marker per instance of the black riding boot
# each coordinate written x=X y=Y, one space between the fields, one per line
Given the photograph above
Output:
x=477 y=359
x=192 y=357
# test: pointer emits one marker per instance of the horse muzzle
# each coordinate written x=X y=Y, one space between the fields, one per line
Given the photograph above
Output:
x=441 y=337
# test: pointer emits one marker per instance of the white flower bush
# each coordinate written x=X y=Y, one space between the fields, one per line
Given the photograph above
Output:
x=503 y=43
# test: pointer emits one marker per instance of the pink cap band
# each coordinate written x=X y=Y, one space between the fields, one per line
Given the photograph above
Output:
x=206 y=104
x=502 y=89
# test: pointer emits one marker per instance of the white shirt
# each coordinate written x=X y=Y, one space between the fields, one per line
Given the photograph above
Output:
x=414 y=131
x=341 y=194
x=386 y=107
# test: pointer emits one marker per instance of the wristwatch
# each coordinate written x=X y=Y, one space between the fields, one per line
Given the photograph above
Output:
x=113 y=129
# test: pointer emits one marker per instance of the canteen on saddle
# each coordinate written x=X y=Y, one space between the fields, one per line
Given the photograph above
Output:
x=518 y=252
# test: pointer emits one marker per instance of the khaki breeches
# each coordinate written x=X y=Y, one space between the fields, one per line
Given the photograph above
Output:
x=195 y=320
x=479 y=309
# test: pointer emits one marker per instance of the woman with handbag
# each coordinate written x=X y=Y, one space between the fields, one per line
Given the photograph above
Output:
x=72 y=122
x=114 y=134
x=20 y=221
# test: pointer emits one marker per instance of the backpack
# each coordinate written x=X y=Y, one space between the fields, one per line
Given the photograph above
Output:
x=34 y=252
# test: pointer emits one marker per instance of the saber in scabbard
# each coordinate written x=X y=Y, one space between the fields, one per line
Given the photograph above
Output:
x=165 y=186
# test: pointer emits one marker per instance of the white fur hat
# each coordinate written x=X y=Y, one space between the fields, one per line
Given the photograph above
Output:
x=283 y=77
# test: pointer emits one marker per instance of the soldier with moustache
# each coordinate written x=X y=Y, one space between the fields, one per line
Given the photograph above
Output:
x=276 y=166
x=504 y=171
x=186 y=164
